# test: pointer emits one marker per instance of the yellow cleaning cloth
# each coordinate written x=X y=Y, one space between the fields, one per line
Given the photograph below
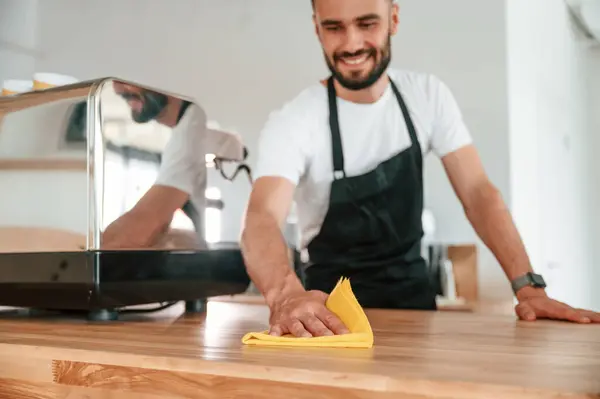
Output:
x=344 y=304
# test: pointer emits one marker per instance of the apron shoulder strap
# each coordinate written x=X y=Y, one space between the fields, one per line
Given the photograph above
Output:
x=336 y=138
x=408 y=120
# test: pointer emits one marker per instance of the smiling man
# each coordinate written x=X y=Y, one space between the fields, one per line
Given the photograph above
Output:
x=350 y=151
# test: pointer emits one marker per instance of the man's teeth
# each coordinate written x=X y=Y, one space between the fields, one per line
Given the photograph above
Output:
x=355 y=60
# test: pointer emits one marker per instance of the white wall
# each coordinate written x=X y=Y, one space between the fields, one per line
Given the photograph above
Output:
x=550 y=138
x=27 y=199
x=17 y=38
x=594 y=124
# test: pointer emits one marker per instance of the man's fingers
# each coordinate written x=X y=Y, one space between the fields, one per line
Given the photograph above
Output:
x=550 y=309
x=315 y=326
x=276 y=330
x=525 y=312
x=297 y=329
x=555 y=310
x=567 y=313
x=593 y=316
x=332 y=322
x=560 y=311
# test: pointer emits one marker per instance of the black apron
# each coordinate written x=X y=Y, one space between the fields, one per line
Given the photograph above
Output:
x=372 y=230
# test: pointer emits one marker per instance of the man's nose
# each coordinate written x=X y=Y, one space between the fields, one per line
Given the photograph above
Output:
x=353 y=40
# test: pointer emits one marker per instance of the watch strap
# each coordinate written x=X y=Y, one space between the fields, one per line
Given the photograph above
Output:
x=521 y=282
x=529 y=279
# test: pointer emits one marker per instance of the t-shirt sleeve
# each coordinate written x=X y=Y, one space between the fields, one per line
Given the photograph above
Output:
x=449 y=131
x=183 y=160
x=283 y=146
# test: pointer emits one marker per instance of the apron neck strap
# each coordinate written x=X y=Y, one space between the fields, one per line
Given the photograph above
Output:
x=336 y=138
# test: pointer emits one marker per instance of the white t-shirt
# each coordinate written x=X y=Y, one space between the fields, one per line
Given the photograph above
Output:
x=183 y=164
x=296 y=141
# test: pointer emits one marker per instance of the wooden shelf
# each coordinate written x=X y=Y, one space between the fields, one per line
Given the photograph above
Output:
x=43 y=164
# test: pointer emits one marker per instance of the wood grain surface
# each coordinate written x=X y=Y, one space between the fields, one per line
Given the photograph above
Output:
x=35 y=98
x=421 y=355
x=43 y=164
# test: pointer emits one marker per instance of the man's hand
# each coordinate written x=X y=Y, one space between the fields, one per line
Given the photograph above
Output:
x=303 y=314
x=537 y=305
x=143 y=225
x=127 y=232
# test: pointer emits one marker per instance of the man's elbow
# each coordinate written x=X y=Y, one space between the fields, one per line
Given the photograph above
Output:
x=246 y=230
x=267 y=207
x=258 y=222
x=253 y=218
x=484 y=198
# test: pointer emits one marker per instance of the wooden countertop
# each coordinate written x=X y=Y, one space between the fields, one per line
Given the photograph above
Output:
x=421 y=355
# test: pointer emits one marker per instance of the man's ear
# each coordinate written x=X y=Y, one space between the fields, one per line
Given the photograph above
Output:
x=317 y=28
x=394 y=18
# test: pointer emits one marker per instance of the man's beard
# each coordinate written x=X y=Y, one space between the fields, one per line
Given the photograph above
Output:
x=153 y=104
x=373 y=76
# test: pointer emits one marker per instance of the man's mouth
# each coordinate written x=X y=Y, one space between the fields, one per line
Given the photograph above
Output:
x=355 y=60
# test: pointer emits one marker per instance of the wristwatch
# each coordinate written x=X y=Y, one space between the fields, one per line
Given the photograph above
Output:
x=529 y=279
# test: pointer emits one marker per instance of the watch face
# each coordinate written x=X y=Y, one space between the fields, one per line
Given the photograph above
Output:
x=538 y=280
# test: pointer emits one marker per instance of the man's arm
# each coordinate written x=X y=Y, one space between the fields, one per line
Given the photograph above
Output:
x=492 y=221
x=284 y=152
x=483 y=204
x=141 y=226
x=293 y=309
x=486 y=210
x=265 y=250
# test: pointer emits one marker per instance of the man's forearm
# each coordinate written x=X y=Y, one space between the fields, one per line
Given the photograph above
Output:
x=267 y=258
x=134 y=229
x=493 y=222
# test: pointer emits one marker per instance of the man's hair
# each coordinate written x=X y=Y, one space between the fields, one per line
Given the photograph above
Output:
x=313 y=2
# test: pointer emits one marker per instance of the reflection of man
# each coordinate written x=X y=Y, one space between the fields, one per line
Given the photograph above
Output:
x=181 y=181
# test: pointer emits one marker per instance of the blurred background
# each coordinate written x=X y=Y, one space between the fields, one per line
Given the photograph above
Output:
x=525 y=73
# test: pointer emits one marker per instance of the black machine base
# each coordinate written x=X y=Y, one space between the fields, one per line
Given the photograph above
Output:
x=101 y=283
x=191 y=307
x=102 y=315
x=197 y=306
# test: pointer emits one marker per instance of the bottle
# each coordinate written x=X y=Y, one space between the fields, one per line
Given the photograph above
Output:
x=448 y=282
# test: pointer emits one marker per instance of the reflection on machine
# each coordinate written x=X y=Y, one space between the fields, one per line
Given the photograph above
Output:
x=107 y=180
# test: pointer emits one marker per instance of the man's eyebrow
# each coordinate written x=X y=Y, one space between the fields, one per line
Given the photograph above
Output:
x=362 y=18
x=331 y=22
x=367 y=17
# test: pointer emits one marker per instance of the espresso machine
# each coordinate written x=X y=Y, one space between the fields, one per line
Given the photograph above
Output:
x=74 y=161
